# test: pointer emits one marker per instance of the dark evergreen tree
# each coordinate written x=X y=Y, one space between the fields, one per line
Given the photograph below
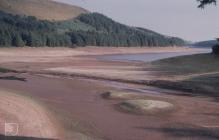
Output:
x=17 y=41
x=215 y=48
x=205 y=2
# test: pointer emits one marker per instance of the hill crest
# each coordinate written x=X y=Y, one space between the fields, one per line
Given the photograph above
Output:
x=42 y=9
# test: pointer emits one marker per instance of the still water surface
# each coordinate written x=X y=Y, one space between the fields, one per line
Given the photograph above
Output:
x=148 y=57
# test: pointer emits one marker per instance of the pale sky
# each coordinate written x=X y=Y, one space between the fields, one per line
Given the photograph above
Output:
x=179 y=18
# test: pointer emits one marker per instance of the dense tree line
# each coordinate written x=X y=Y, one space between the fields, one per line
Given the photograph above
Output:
x=88 y=29
x=82 y=38
x=28 y=31
x=110 y=33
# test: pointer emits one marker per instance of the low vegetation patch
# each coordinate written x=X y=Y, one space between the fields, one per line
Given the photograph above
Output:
x=120 y=95
x=141 y=106
x=187 y=65
x=5 y=70
x=197 y=74
x=205 y=83
x=13 y=78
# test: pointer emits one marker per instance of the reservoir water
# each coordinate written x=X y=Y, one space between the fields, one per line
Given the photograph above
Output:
x=148 y=57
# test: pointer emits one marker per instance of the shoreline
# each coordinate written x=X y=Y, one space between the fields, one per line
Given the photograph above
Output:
x=92 y=50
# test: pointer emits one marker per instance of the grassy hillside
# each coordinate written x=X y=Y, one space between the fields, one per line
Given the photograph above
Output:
x=41 y=9
x=192 y=64
x=198 y=73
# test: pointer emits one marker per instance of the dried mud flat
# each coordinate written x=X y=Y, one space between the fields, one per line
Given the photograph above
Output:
x=74 y=105
x=29 y=119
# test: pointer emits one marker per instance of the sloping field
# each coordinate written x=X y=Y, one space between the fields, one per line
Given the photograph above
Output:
x=195 y=73
x=42 y=9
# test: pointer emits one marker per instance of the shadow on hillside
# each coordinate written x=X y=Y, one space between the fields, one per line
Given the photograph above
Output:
x=2 y=137
x=187 y=132
x=13 y=78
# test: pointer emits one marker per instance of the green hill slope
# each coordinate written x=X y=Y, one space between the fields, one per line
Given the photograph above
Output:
x=107 y=32
x=91 y=29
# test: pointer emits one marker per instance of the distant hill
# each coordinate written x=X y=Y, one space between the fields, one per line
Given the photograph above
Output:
x=41 y=9
x=91 y=29
x=48 y=23
x=205 y=44
x=104 y=31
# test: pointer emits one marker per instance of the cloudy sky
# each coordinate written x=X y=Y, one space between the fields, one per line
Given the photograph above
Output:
x=179 y=18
